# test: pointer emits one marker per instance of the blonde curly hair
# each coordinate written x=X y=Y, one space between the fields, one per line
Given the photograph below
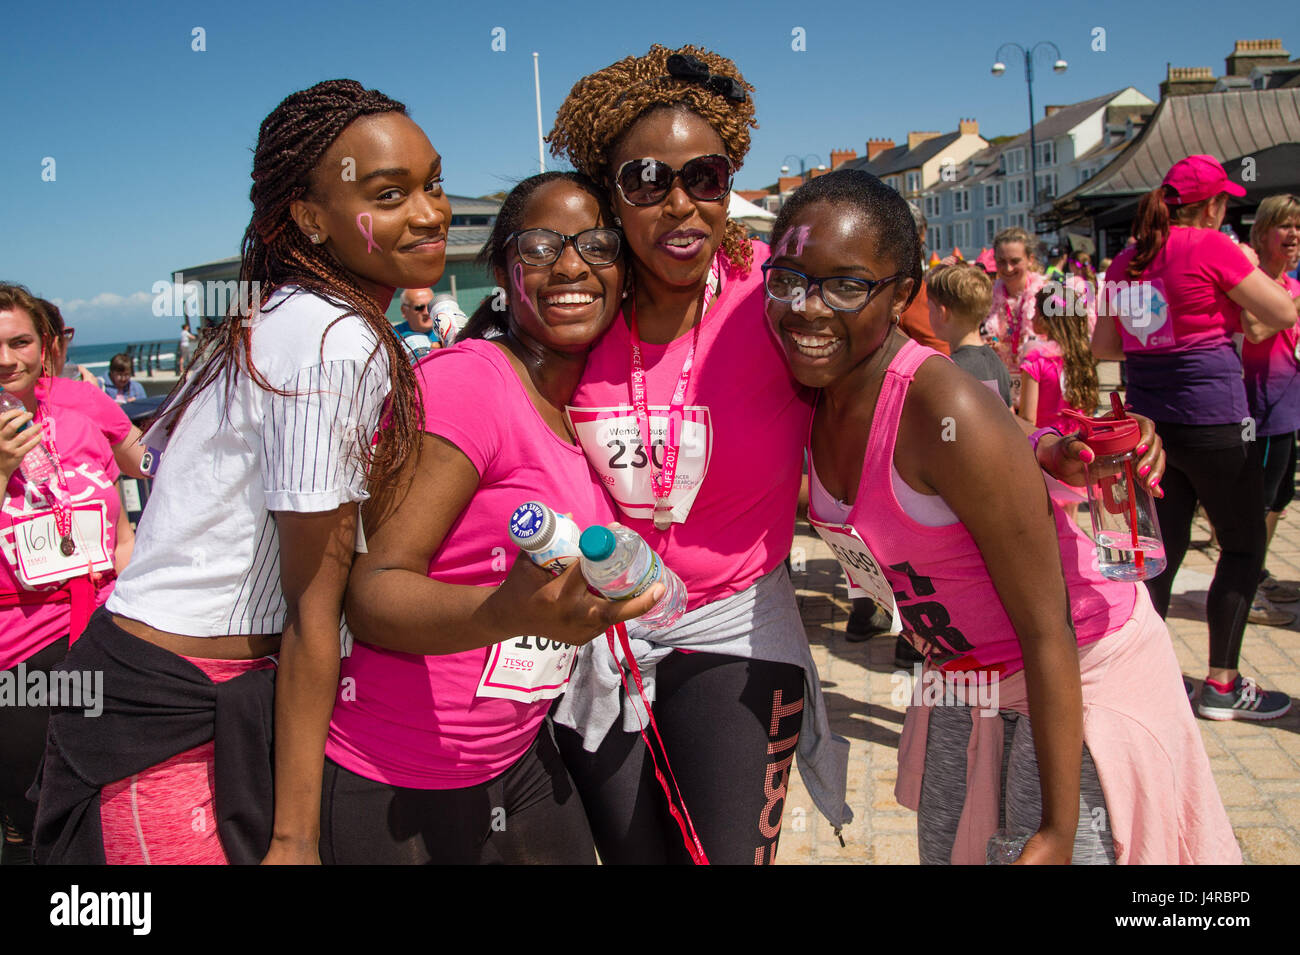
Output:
x=603 y=106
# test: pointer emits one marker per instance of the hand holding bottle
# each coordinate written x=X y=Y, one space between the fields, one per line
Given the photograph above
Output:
x=562 y=608
x=17 y=440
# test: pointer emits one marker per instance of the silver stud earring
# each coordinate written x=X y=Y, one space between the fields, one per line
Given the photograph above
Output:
x=618 y=221
x=315 y=238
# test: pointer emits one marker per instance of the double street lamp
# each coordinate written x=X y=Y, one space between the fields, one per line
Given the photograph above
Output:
x=803 y=167
x=1058 y=67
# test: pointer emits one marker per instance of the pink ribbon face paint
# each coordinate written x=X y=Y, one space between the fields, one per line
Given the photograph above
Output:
x=795 y=239
x=367 y=230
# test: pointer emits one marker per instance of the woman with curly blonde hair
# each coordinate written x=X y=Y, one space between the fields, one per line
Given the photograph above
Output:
x=689 y=415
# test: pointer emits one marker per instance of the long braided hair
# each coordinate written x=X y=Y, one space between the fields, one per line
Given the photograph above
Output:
x=603 y=106
x=290 y=143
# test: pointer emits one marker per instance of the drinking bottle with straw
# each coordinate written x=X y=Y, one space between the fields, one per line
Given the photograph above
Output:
x=1124 y=524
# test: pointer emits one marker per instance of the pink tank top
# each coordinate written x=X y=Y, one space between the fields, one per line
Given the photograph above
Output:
x=940 y=581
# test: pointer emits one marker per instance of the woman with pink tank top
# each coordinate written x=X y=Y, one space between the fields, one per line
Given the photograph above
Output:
x=925 y=489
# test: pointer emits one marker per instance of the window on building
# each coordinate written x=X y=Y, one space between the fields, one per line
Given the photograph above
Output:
x=961 y=200
x=913 y=182
x=1085 y=175
x=934 y=237
x=1047 y=153
x=1016 y=160
x=892 y=183
x=993 y=195
x=1046 y=186
x=931 y=205
x=992 y=226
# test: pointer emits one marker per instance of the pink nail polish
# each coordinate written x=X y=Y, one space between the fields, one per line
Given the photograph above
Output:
x=1141 y=449
x=1142 y=471
x=1087 y=456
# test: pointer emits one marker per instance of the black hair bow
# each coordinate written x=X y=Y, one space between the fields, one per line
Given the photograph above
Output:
x=693 y=70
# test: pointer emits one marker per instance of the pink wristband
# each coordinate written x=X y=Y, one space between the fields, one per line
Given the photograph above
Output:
x=1038 y=436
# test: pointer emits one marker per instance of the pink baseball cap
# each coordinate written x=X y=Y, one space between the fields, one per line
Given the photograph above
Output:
x=1200 y=177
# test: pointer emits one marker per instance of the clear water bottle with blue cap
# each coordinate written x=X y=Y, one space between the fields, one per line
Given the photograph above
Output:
x=618 y=562
x=37 y=466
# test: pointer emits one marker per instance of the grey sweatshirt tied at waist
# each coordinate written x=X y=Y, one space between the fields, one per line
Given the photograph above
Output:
x=759 y=623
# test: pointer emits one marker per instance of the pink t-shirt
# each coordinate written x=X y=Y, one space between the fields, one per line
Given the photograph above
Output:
x=89 y=470
x=418 y=721
x=83 y=397
x=1046 y=365
x=1272 y=375
x=940 y=581
x=1187 y=306
x=740 y=465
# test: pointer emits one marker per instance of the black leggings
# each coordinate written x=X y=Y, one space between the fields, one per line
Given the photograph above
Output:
x=1229 y=483
x=529 y=815
x=22 y=740
x=730 y=727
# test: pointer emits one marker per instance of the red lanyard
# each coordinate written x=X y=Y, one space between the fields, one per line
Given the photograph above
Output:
x=662 y=483
x=689 y=837
x=60 y=496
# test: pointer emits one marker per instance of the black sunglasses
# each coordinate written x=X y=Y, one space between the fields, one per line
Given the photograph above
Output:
x=843 y=293
x=542 y=247
x=416 y=308
x=647 y=182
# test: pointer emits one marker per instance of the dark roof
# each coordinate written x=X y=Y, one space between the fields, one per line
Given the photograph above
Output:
x=468 y=205
x=1065 y=119
x=1224 y=125
x=468 y=235
x=899 y=158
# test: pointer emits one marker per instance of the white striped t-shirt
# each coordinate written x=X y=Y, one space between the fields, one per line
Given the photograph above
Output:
x=207 y=554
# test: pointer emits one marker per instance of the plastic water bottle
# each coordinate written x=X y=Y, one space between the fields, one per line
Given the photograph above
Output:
x=1124 y=522
x=550 y=539
x=37 y=466
x=618 y=562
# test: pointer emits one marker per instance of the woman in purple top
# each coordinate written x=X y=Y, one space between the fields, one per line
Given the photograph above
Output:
x=1175 y=300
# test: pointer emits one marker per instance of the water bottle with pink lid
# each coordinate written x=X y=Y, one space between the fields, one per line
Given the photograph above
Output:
x=37 y=466
x=1124 y=523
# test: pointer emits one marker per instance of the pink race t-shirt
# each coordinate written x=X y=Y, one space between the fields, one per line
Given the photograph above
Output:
x=1046 y=365
x=1272 y=376
x=1181 y=301
x=740 y=463
x=89 y=471
x=424 y=722
x=87 y=399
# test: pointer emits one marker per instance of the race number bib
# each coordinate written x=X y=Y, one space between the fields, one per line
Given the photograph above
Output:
x=38 y=557
x=527 y=669
x=611 y=441
x=866 y=579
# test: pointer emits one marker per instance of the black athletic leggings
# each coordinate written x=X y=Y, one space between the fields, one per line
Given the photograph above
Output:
x=529 y=815
x=22 y=740
x=730 y=727
x=1229 y=483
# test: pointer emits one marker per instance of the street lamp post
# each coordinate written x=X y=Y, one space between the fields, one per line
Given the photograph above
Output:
x=803 y=168
x=1058 y=67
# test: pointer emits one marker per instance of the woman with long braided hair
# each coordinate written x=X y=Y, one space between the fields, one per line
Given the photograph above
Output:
x=243 y=553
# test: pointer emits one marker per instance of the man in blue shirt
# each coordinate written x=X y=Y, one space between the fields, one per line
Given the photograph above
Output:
x=416 y=332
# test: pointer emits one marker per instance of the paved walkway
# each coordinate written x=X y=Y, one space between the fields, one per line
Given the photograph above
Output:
x=1257 y=765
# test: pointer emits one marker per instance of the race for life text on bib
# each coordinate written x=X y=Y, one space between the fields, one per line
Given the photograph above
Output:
x=611 y=441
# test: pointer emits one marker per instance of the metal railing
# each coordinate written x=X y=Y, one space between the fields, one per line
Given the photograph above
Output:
x=146 y=357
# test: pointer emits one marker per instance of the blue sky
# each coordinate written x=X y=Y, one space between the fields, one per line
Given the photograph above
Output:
x=152 y=141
